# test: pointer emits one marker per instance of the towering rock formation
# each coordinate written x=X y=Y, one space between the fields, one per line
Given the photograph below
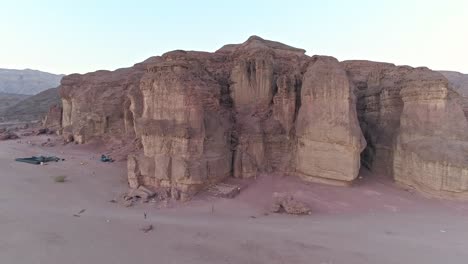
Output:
x=432 y=146
x=205 y=117
x=379 y=105
x=414 y=126
x=262 y=107
x=184 y=127
x=329 y=138
x=265 y=79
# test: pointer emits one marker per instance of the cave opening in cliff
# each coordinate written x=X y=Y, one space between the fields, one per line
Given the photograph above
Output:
x=368 y=154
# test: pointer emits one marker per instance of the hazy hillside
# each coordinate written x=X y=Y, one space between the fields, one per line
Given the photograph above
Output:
x=458 y=80
x=459 y=83
x=7 y=100
x=27 y=81
x=31 y=108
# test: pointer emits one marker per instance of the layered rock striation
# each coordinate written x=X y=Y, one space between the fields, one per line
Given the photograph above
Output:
x=414 y=124
x=431 y=151
x=265 y=107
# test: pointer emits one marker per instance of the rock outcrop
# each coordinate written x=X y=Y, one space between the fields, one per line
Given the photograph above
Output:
x=379 y=105
x=414 y=125
x=431 y=150
x=184 y=127
x=53 y=119
x=327 y=129
x=265 y=79
x=94 y=104
x=262 y=107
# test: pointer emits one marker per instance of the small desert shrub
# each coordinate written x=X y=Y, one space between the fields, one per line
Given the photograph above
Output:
x=60 y=178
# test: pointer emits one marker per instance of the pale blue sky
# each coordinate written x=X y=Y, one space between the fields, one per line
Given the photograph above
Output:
x=81 y=36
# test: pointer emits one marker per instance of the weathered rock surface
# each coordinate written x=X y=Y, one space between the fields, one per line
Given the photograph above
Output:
x=53 y=119
x=7 y=135
x=265 y=79
x=432 y=146
x=262 y=107
x=184 y=128
x=379 y=105
x=94 y=104
x=328 y=134
x=404 y=115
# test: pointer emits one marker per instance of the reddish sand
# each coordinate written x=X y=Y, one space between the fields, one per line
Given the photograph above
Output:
x=371 y=222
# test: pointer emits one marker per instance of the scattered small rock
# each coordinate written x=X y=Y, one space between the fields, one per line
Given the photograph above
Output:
x=42 y=131
x=27 y=134
x=146 y=228
x=140 y=193
x=128 y=203
x=59 y=179
x=8 y=135
x=224 y=190
x=289 y=204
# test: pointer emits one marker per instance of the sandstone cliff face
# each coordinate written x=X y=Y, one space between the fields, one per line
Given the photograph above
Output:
x=327 y=128
x=379 y=105
x=263 y=107
x=265 y=79
x=432 y=146
x=185 y=130
x=203 y=117
x=414 y=126
x=53 y=119
x=94 y=104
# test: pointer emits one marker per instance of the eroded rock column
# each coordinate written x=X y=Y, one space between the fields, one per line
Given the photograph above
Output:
x=329 y=139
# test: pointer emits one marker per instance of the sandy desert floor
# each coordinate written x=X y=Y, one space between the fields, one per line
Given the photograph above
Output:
x=372 y=222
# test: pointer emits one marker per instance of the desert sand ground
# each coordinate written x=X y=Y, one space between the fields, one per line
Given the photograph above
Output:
x=372 y=222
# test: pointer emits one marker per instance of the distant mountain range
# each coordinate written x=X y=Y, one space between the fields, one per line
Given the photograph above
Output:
x=458 y=80
x=27 y=81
